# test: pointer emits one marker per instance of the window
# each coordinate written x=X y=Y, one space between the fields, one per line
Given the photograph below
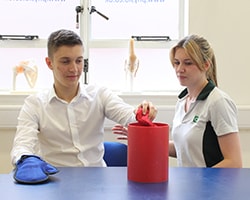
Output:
x=36 y=18
x=135 y=17
x=106 y=41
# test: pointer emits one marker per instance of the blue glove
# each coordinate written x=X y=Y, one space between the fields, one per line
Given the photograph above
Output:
x=32 y=169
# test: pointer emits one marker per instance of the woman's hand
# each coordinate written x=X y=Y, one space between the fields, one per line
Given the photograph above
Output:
x=121 y=131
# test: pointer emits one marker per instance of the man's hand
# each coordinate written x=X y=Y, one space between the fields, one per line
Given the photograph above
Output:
x=32 y=169
x=147 y=107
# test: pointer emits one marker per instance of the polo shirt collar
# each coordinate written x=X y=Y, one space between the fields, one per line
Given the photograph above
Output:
x=203 y=94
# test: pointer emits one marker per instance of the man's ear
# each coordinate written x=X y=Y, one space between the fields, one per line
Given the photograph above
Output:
x=49 y=62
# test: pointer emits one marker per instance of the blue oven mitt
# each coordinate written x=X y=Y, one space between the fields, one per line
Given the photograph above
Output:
x=32 y=169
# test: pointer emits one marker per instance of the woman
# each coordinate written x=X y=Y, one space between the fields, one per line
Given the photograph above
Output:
x=205 y=130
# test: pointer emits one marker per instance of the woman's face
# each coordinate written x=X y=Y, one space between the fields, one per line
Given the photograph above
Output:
x=186 y=70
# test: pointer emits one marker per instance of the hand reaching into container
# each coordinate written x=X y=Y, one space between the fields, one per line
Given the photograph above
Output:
x=145 y=114
x=147 y=108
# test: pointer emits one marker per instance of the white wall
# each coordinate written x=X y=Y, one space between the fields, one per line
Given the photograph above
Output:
x=226 y=26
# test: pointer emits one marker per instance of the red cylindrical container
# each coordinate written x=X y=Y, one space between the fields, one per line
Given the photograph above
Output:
x=148 y=153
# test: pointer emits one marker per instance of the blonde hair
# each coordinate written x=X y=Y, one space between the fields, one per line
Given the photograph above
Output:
x=199 y=50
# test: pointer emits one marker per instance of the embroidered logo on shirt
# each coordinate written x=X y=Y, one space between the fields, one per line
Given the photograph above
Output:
x=196 y=118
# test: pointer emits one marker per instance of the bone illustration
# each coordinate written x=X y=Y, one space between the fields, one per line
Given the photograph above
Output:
x=29 y=69
x=131 y=64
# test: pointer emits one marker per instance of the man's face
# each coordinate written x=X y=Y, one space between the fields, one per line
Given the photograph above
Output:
x=67 y=65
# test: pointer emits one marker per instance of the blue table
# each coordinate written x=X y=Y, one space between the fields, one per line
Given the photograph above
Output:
x=112 y=183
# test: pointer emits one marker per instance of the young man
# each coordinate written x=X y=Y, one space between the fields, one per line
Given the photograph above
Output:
x=65 y=125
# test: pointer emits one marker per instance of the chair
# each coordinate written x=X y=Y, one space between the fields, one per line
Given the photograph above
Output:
x=115 y=154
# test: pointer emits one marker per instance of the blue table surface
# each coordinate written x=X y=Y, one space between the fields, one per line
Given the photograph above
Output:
x=112 y=183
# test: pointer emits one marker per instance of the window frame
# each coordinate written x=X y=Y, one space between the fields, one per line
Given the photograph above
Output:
x=85 y=31
x=123 y=43
x=85 y=20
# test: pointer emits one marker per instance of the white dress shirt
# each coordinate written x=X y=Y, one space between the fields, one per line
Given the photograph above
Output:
x=68 y=134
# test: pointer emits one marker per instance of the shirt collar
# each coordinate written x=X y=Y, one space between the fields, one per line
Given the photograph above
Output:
x=203 y=94
x=81 y=93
